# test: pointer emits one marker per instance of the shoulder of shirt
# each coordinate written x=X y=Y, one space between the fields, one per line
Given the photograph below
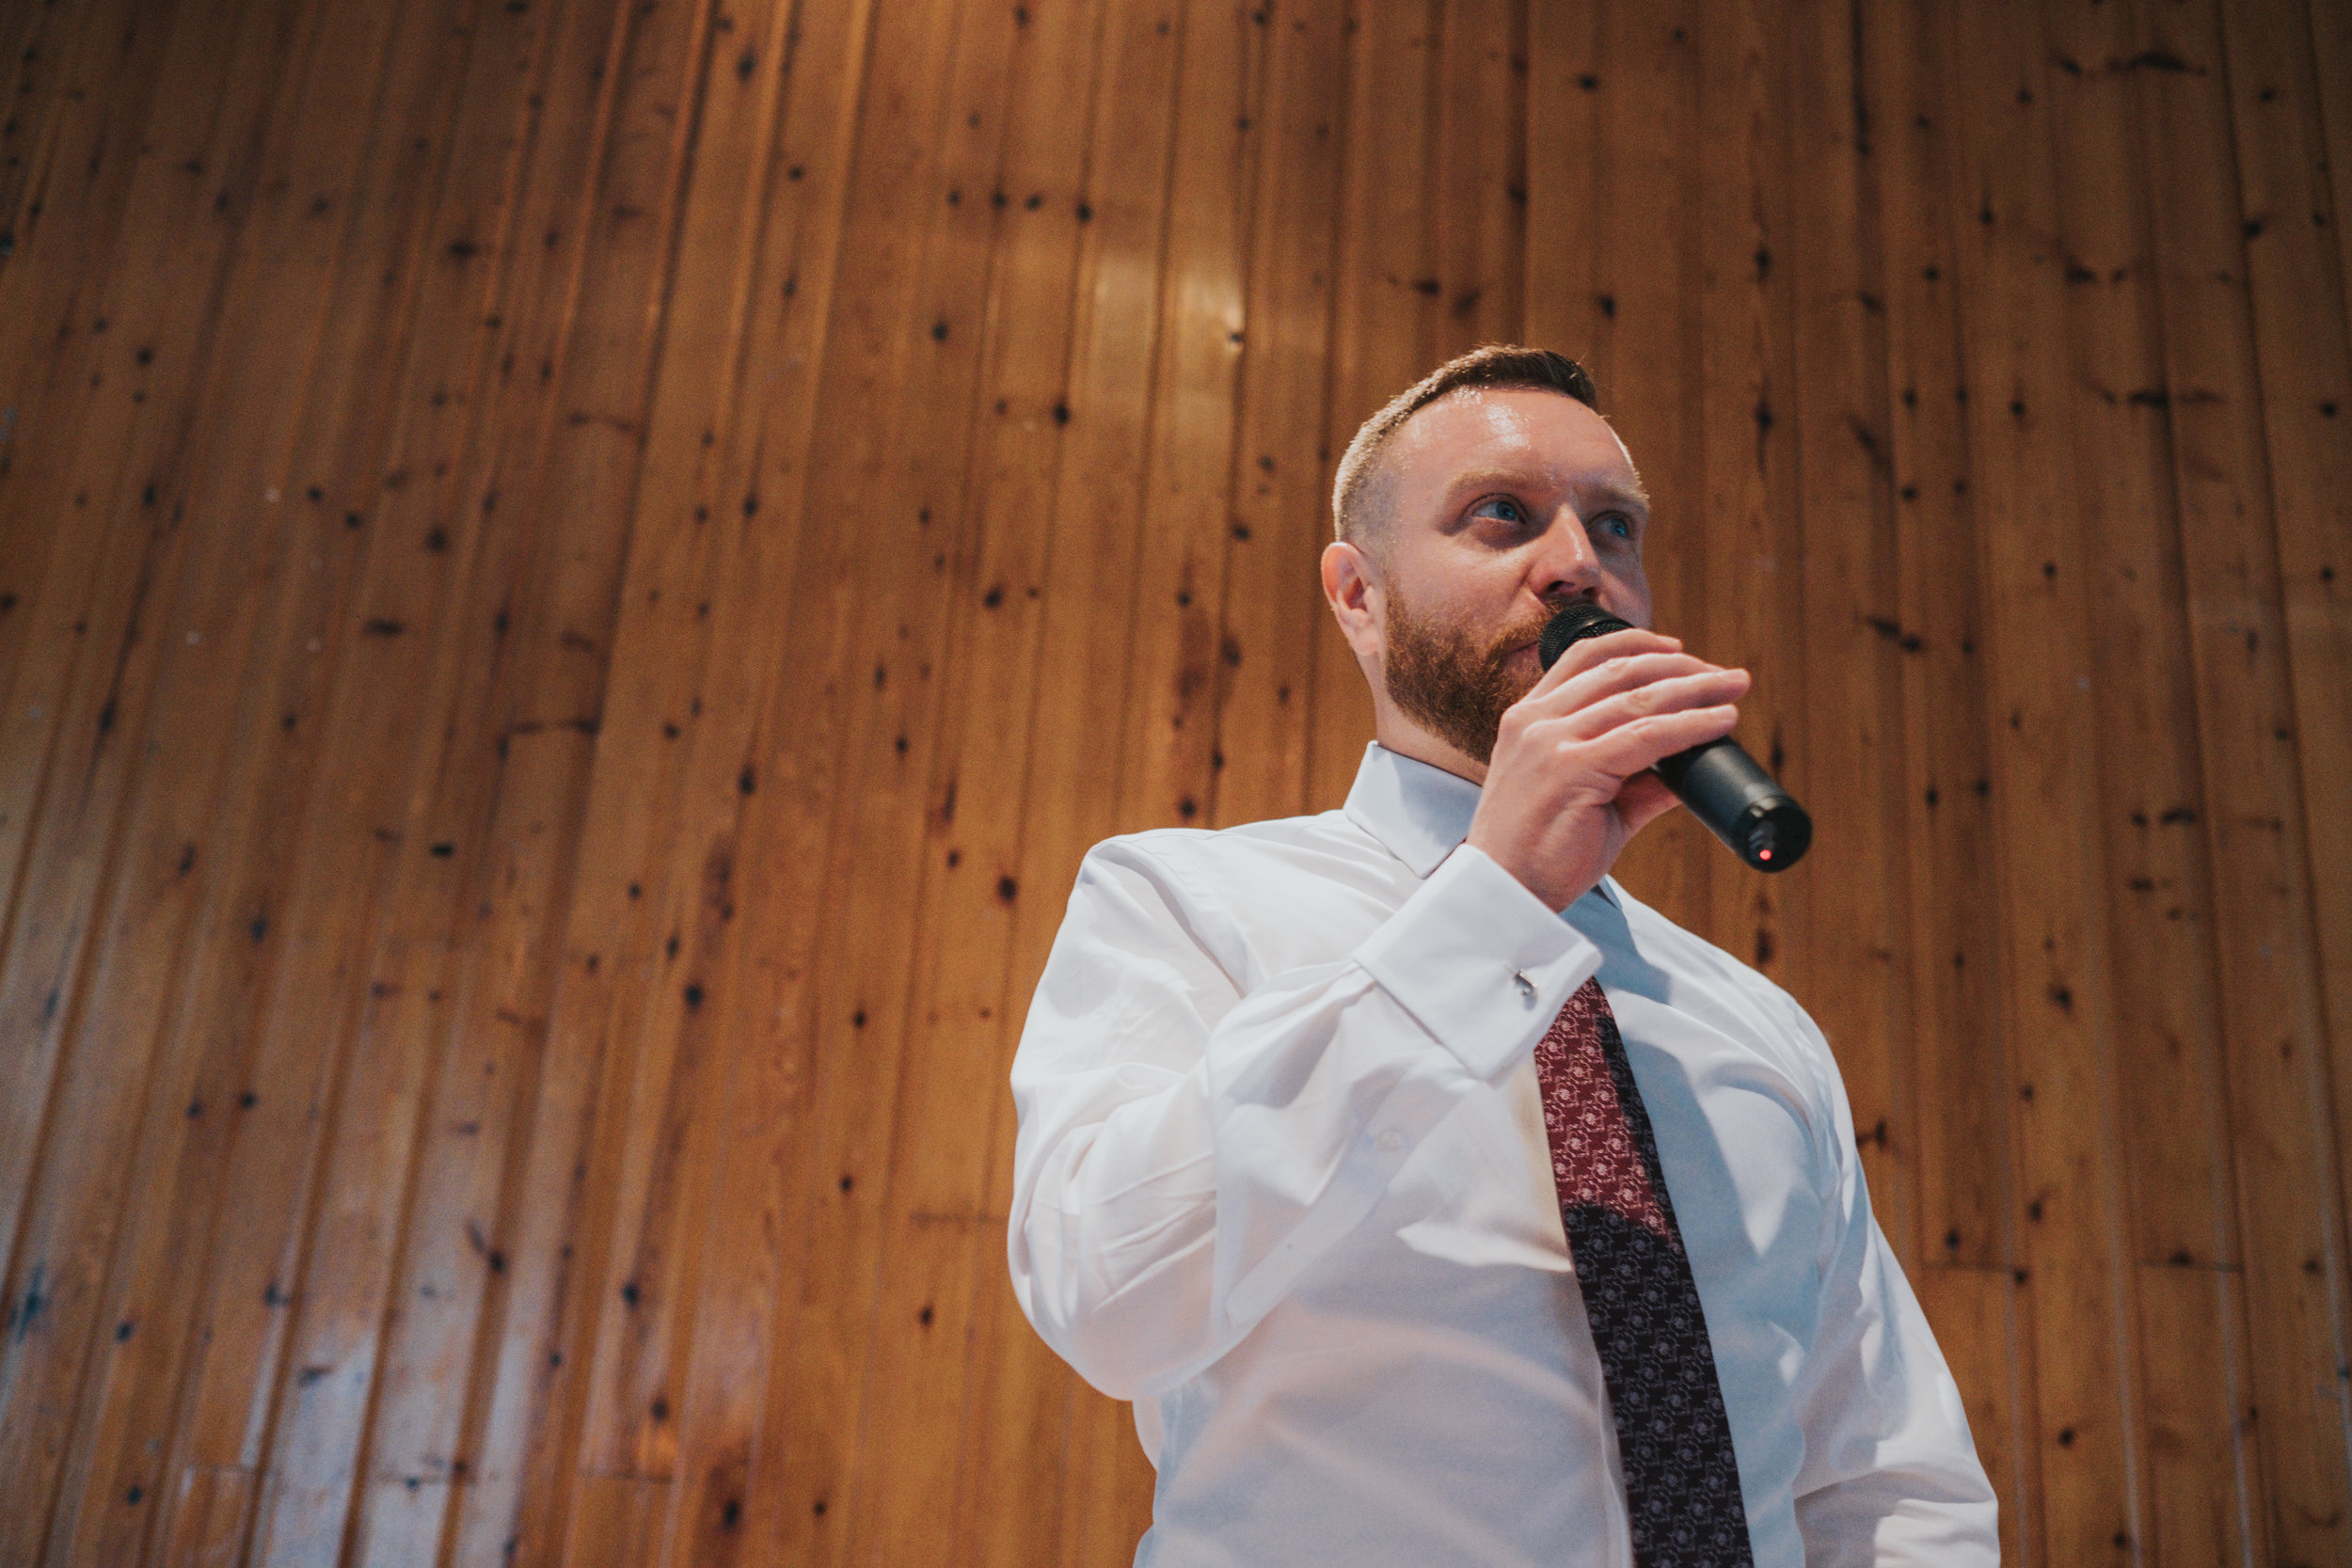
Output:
x=1243 y=841
x=1217 y=875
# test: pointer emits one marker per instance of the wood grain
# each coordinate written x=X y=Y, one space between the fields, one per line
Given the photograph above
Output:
x=576 y=579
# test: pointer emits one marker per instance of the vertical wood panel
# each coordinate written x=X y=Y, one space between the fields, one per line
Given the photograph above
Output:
x=575 y=579
x=750 y=783
x=1743 y=530
x=332 y=465
x=1639 y=224
x=1383 y=312
x=1957 y=1045
x=939 y=1225
x=1028 y=1433
x=2190 y=1350
x=2051 y=869
x=1274 y=527
x=1169 y=774
x=1478 y=169
x=100 y=664
x=1847 y=580
x=1955 y=1038
x=222 y=659
x=58 y=171
x=2291 y=193
x=2267 y=967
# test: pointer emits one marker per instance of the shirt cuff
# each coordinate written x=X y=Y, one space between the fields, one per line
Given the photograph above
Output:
x=1479 y=961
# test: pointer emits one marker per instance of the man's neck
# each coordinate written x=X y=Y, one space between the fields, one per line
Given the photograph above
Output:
x=1400 y=735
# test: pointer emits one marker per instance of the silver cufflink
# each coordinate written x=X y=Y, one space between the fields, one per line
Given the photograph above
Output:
x=1527 y=987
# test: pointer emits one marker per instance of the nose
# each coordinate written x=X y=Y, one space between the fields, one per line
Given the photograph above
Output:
x=1566 y=566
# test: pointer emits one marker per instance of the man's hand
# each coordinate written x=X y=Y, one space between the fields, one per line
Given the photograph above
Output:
x=1569 y=782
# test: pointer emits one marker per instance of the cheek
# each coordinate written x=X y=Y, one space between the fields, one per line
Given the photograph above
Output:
x=1632 y=585
x=1443 y=593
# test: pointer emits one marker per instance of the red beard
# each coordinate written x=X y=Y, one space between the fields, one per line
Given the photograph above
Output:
x=1455 y=687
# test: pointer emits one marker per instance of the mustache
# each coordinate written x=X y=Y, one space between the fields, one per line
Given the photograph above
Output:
x=1521 y=632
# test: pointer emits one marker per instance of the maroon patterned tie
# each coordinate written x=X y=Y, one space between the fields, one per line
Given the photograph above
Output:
x=1681 y=1478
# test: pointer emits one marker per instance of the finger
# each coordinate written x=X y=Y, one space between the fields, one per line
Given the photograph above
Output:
x=1629 y=748
x=1557 y=700
x=1677 y=694
x=1593 y=651
x=1628 y=674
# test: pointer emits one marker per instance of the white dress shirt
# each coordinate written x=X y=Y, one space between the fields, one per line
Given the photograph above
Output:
x=1282 y=1182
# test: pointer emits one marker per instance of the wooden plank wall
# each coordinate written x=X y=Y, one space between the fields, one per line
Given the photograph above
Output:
x=575 y=577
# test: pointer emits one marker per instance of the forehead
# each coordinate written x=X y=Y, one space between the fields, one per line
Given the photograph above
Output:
x=1546 y=435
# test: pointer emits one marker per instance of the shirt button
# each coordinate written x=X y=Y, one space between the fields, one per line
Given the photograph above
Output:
x=1390 y=1140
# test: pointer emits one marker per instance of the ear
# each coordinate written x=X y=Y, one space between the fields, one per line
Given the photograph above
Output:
x=1351 y=584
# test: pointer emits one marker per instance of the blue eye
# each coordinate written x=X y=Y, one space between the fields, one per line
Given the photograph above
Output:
x=1616 y=523
x=1502 y=508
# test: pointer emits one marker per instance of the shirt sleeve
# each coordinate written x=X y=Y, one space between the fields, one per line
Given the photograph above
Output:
x=1890 y=1475
x=1189 y=1146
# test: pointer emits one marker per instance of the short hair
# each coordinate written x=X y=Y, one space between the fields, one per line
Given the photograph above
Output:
x=1508 y=367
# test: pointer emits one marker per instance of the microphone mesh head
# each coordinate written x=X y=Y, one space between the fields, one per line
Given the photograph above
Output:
x=1574 y=623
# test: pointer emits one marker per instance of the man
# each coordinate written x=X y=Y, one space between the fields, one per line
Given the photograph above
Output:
x=1335 y=1159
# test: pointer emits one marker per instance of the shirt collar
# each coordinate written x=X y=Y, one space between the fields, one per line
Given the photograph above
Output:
x=1419 y=813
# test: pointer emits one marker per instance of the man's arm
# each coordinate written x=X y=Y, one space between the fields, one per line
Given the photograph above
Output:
x=1890 y=1475
x=1186 y=1150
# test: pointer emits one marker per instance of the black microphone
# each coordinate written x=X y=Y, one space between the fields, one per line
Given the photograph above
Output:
x=1724 y=786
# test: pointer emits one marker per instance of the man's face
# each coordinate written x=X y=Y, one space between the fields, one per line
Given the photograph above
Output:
x=1502 y=507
